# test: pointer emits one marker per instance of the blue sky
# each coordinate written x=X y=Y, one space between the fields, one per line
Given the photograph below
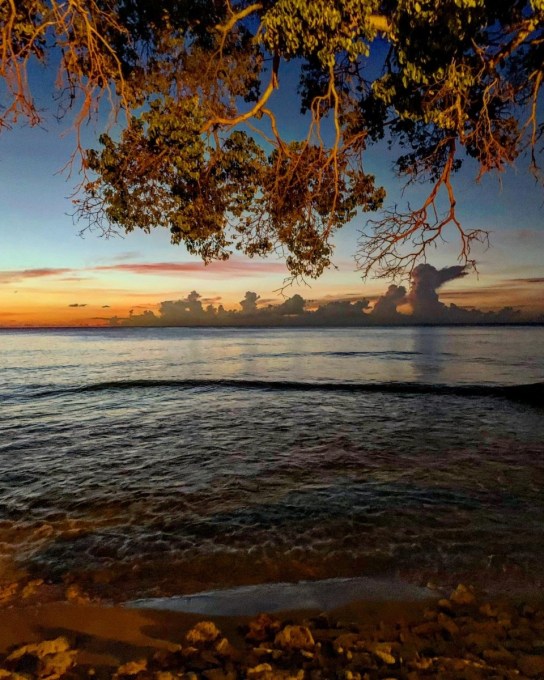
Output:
x=37 y=234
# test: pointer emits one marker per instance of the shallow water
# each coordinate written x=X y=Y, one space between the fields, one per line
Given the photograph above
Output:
x=126 y=462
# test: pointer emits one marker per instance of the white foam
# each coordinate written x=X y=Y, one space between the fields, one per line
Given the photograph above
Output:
x=322 y=595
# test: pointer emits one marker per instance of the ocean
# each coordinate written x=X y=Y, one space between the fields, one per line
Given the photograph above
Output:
x=142 y=462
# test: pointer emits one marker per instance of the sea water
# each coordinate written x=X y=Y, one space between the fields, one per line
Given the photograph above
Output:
x=147 y=462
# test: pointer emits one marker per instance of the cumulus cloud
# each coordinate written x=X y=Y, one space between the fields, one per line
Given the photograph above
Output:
x=249 y=303
x=293 y=306
x=342 y=312
x=426 y=307
x=426 y=280
x=385 y=308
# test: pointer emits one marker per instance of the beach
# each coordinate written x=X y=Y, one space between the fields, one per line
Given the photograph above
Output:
x=465 y=635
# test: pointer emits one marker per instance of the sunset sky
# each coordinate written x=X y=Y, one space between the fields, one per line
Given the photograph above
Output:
x=50 y=275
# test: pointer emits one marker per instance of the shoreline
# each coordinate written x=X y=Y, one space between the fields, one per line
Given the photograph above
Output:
x=44 y=634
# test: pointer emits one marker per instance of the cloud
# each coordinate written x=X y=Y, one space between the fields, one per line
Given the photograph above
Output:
x=76 y=277
x=426 y=306
x=77 y=304
x=249 y=303
x=9 y=276
x=537 y=279
x=342 y=312
x=385 y=308
x=232 y=267
x=127 y=255
x=425 y=281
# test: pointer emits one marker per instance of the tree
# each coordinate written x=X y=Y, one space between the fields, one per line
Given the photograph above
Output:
x=202 y=153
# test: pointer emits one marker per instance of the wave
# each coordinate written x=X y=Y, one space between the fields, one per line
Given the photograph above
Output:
x=531 y=393
x=388 y=354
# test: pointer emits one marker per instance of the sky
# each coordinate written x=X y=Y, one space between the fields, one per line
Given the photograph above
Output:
x=50 y=275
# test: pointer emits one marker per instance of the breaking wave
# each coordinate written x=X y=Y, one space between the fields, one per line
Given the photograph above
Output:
x=531 y=393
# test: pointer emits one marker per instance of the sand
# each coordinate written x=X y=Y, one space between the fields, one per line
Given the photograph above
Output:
x=463 y=636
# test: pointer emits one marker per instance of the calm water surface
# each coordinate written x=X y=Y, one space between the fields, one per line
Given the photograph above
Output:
x=126 y=464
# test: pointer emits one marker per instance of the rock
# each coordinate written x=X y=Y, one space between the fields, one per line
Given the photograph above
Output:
x=202 y=633
x=499 y=657
x=258 y=670
x=31 y=588
x=385 y=657
x=488 y=610
x=55 y=665
x=448 y=625
x=262 y=651
x=493 y=628
x=8 y=675
x=478 y=641
x=444 y=605
x=504 y=620
x=462 y=595
x=41 y=649
x=346 y=641
x=224 y=649
x=430 y=615
x=520 y=633
x=219 y=674
x=75 y=595
x=427 y=629
x=131 y=668
x=262 y=628
x=48 y=659
x=276 y=674
x=531 y=665
x=528 y=611
x=383 y=651
x=538 y=644
x=295 y=637
x=188 y=652
x=8 y=592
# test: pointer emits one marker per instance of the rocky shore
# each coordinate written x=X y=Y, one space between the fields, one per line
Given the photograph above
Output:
x=464 y=636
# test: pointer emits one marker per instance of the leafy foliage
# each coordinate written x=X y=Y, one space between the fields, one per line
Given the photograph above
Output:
x=201 y=151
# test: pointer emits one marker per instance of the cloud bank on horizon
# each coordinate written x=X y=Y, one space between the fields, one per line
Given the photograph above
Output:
x=422 y=298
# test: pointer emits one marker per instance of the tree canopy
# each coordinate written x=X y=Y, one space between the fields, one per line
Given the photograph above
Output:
x=200 y=149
